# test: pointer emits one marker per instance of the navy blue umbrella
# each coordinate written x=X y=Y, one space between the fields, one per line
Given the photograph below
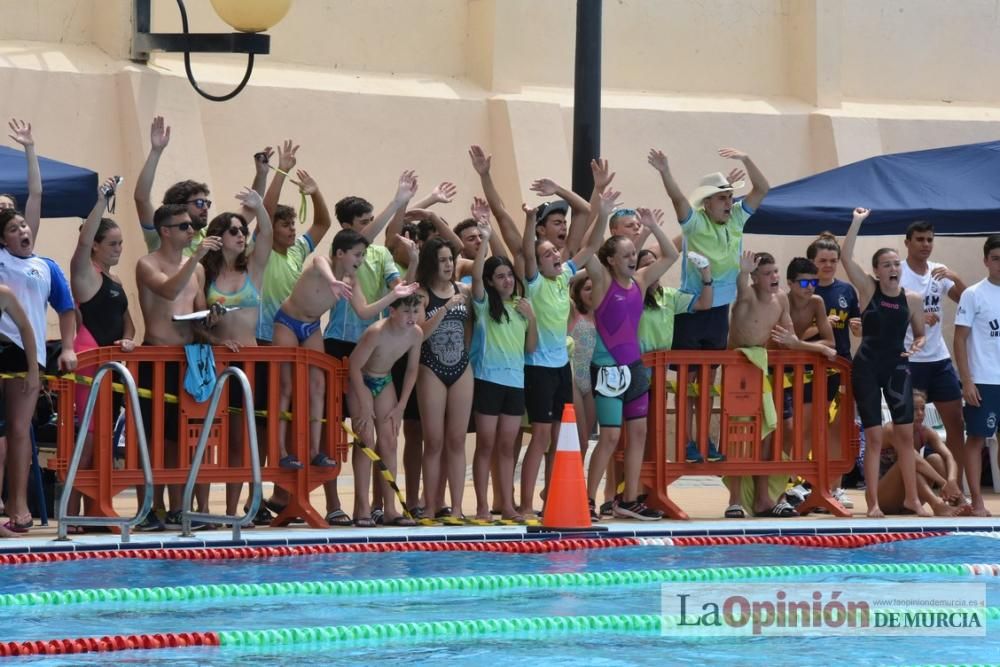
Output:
x=956 y=188
x=69 y=191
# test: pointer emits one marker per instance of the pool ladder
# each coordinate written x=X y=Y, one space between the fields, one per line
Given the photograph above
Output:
x=124 y=524
x=237 y=522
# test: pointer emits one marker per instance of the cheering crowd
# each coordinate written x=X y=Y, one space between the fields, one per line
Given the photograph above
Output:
x=473 y=326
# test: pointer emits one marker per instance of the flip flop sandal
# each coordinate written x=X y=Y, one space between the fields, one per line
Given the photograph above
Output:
x=443 y=512
x=364 y=522
x=290 y=462
x=453 y=521
x=402 y=522
x=781 y=510
x=482 y=522
x=427 y=521
x=323 y=461
x=735 y=512
x=378 y=517
x=338 y=518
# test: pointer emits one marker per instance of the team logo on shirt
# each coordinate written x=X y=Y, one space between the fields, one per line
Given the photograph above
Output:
x=842 y=302
x=991 y=421
x=994 y=328
x=935 y=287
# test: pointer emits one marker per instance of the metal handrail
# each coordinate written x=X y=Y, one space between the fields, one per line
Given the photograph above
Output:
x=147 y=472
x=256 y=484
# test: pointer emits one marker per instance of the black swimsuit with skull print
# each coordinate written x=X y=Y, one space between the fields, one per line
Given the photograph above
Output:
x=444 y=351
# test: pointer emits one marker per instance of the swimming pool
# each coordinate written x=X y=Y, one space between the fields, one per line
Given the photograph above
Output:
x=398 y=589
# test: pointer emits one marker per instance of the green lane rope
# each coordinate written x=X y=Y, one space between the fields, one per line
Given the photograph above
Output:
x=477 y=583
x=465 y=629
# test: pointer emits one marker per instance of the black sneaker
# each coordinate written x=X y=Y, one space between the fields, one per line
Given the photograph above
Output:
x=173 y=521
x=151 y=524
x=637 y=510
x=263 y=517
x=595 y=517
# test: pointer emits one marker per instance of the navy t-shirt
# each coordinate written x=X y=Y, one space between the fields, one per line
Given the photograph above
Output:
x=841 y=300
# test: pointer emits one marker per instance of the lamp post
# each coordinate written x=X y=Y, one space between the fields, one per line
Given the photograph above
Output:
x=586 y=95
x=250 y=17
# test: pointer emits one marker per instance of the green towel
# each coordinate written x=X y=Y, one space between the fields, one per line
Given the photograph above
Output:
x=758 y=357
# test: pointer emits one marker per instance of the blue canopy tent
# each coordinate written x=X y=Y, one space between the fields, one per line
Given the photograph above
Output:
x=956 y=188
x=68 y=191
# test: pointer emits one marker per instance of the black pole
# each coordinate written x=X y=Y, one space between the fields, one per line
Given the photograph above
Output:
x=586 y=95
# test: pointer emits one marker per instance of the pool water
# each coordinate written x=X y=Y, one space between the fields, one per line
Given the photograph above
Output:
x=292 y=611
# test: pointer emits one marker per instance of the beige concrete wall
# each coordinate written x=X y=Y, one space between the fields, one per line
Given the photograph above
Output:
x=371 y=87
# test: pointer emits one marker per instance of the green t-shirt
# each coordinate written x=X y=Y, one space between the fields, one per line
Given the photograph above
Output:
x=550 y=301
x=656 y=326
x=500 y=357
x=721 y=244
x=280 y=276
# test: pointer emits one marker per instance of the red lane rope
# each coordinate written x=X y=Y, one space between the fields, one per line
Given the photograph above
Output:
x=509 y=547
x=245 y=553
x=108 y=643
x=826 y=541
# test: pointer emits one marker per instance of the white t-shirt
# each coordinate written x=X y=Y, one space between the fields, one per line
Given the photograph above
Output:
x=932 y=291
x=979 y=309
x=36 y=282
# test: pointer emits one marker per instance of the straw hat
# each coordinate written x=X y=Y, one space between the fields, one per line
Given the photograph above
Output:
x=710 y=185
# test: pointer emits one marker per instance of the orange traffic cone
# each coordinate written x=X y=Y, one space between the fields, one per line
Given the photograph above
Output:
x=566 y=507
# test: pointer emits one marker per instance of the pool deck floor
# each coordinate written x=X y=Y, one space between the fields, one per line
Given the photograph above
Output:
x=703 y=498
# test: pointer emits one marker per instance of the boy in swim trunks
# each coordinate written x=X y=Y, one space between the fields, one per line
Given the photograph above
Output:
x=761 y=315
x=321 y=287
x=376 y=411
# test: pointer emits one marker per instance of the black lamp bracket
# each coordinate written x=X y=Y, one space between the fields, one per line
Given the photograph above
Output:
x=143 y=42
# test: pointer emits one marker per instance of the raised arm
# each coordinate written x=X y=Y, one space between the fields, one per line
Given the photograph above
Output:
x=528 y=243
x=480 y=211
x=640 y=241
x=481 y=162
x=84 y=279
x=759 y=184
x=405 y=189
x=21 y=133
x=682 y=207
x=602 y=179
x=444 y=193
x=260 y=163
x=252 y=201
x=546 y=187
x=668 y=253
x=603 y=202
x=321 y=212
x=159 y=137
x=478 y=289
x=286 y=162
x=748 y=264
x=863 y=283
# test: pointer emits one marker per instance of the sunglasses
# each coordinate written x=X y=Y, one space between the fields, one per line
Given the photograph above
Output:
x=184 y=226
x=239 y=231
x=808 y=282
x=201 y=203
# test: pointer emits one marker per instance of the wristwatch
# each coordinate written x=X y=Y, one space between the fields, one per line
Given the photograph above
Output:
x=707 y=282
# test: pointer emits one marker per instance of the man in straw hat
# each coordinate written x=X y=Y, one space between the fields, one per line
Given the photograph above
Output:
x=712 y=225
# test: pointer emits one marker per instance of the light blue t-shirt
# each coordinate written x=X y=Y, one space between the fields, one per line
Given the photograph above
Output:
x=721 y=244
x=376 y=273
x=550 y=301
x=500 y=358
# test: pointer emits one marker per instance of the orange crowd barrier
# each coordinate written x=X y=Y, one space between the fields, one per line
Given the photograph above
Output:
x=815 y=445
x=104 y=480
